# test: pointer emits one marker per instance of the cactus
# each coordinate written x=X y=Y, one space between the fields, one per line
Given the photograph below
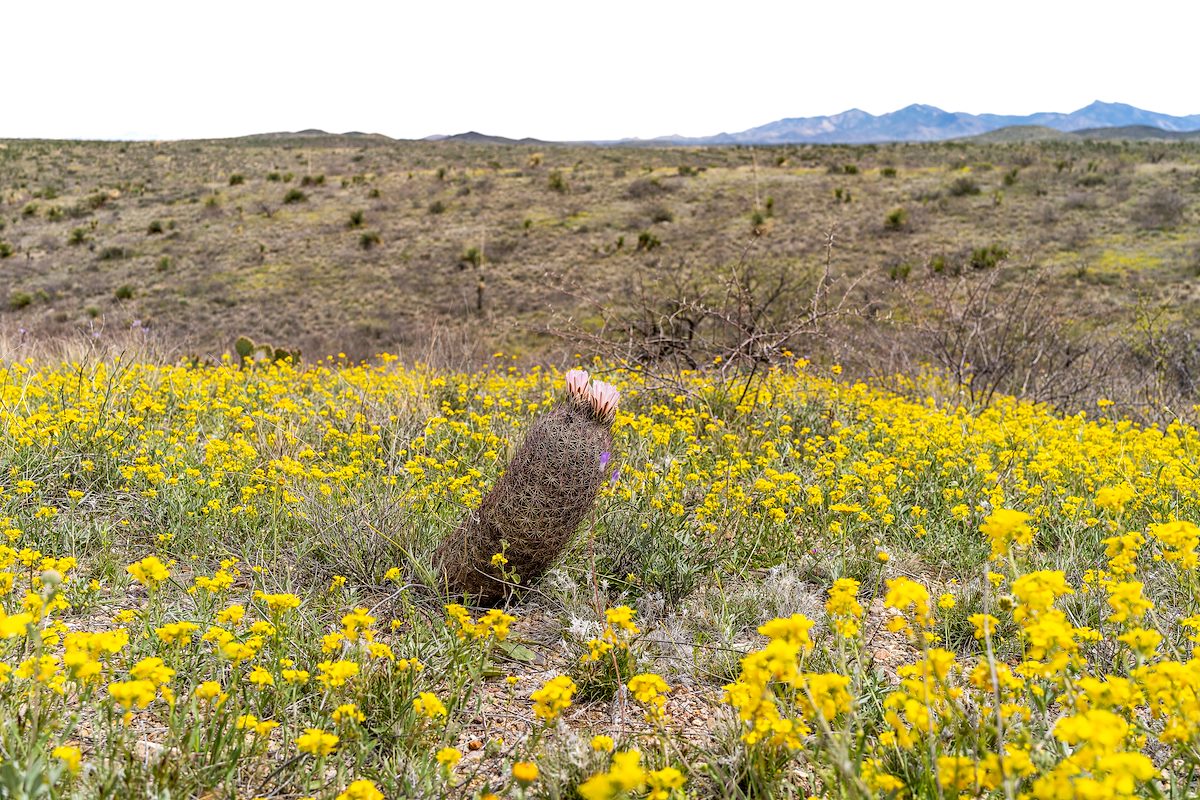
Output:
x=244 y=346
x=287 y=355
x=248 y=350
x=539 y=502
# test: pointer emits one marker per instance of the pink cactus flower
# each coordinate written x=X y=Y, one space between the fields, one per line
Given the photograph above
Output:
x=605 y=398
x=577 y=385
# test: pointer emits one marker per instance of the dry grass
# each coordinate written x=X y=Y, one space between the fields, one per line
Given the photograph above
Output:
x=164 y=242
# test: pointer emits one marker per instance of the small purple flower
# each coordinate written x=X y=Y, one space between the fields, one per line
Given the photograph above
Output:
x=605 y=457
x=616 y=476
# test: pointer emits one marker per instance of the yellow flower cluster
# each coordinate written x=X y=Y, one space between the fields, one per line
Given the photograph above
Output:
x=553 y=698
x=494 y=623
x=1062 y=661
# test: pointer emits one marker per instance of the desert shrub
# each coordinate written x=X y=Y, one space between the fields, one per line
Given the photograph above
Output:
x=850 y=169
x=164 y=263
x=896 y=219
x=1079 y=200
x=236 y=179
x=437 y=207
x=154 y=227
x=556 y=182
x=19 y=300
x=888 y=172
x=274 y=177
x=900 y=271
x=987 y=257
x=1010 y=177
x=369 y=239
x=30 y=210
x=312 y=180
x=757 y=222
x=77 y=236
x=54 y=213
x=963 y=186
x=642 y=188
x=471 y=257
x=661 y=214
x=1091 y=179
x=374 y=194
x=294 y=196
x=6 y=249
x=114 y=253
x=356 y=219
x=647 y=241
x=124 y=292
x=1162 y=208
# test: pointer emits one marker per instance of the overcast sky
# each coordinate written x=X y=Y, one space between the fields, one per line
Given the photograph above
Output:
x=568 y=70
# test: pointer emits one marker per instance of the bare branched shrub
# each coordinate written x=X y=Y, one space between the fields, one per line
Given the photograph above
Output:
x=1161 y=379
x=1162 y=208
x=674 y=319
x=1005 y=332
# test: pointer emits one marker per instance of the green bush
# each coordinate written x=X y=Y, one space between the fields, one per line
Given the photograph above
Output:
x=369 y=239
x=356 y=219
x=987 y=257
x=124 y=292
x=312 y=180
x=236 y=179
x=114 y=253
x=77 y=237
x=647 y=241
x=6 y=249
x=888 y=172
x=964 y=186
x=437 y=207
x=274 y=177
x=896 y=219
x=661 y=214
x=556 y=181
x=294 y=196
x=154 y=227
x=19 y=300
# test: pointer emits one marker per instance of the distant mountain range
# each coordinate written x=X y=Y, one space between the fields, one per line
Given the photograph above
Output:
x=920 y=123
x=915 y=123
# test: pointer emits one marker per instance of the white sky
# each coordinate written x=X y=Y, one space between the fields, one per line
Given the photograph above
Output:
x=569 y=70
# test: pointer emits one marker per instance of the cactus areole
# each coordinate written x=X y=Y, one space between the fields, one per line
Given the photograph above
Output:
x=537 y=505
